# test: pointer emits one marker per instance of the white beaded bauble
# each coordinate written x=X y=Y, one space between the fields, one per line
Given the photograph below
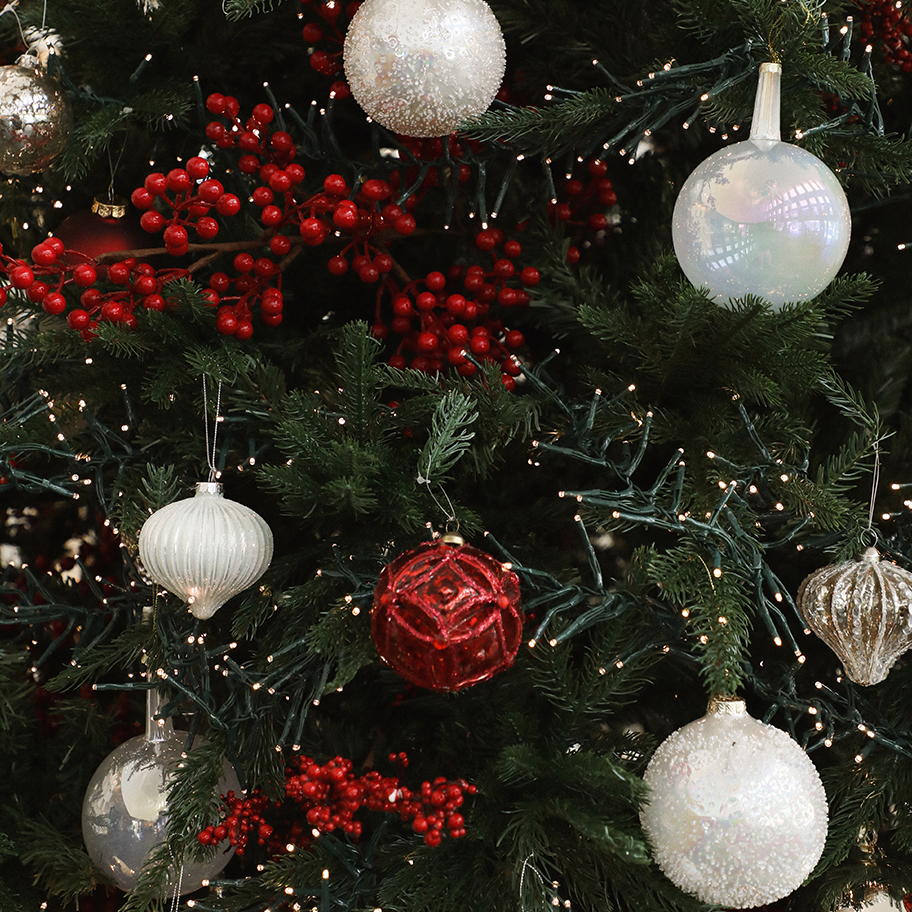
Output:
x=125 y=809
x=762 y=217
x=736 y=813
x=205 y=548
x=35 y=118
x=862 y=610
x=421 y=67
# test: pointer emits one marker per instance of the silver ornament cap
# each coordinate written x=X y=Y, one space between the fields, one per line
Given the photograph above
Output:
x=35 y=118
x=420 y=67
x=862 y=610
x=205 y=548
x=736 y=814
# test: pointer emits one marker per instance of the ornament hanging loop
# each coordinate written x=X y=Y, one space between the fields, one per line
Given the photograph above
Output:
x=211 y=450
x=868 y=536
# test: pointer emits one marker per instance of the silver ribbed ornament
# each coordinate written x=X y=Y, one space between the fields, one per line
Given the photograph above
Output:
x=420 y=67
x=35 y=118
x=205 y=548
x=861 y=610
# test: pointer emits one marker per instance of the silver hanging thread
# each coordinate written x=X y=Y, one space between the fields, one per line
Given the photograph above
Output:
x=875 y=482
x=210 y=451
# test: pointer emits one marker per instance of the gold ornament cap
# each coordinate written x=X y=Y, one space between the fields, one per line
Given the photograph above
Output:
x=113 y=208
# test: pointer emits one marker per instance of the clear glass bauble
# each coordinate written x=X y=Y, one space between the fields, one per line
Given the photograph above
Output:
x=736 y=813
x=125 y=809
x=762 y=217
x=862 y=610
x=205 y=548
x=420 y=67
x=36 y=118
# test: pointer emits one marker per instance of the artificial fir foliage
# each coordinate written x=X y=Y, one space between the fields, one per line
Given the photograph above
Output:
x=486 y=333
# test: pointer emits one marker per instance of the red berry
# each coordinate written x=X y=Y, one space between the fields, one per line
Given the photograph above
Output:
x=226 y=322
x=426 y=301
x=216 y=103
x=175 y=236
x=346 y=215
x=280 y=182
x=405 y=224
x=112 y=311
x=573 y=255
x=262 y=113
x=22 y=276
x=210 y=190
x=514 y=339
x=271 y=319
x=435 y=281
x=119 y=273
x=228 y=204
x=283 y=143
x=598 y=222
x=271 y=216
x=156 y=183
x=178 y=180
x=485 y=240
x=197 y=167
x=151 y=221
x=249 y=164
x=141 y=198
x=262 y=196
x=154 y=302
x=337 y=266
x=295 y=173
x=529 y=276
x=512 y=249
x=55 y=243
x=54 y=303
x=85 y=275
x=280 y=244
x=508 y=382
x=145 y=285
x=334 y=185
x=427 y=342
x=597 y=168
x=375 y=190
x=206 y=227
x=243 y=262
x=369 y=274
x=312 y=33
x=78 y=319
x=37 y=291
x=264 y=267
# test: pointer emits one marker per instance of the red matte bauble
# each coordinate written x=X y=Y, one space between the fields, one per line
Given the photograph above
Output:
x=447 y=615
x=93 y=235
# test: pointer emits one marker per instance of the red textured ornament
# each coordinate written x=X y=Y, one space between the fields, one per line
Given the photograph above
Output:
x=447 y=615
x=107 y=228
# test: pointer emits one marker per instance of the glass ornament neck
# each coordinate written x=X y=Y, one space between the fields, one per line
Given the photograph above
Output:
x=208 y=487
x=765 y=122
x=726 y=706
x=156 y=729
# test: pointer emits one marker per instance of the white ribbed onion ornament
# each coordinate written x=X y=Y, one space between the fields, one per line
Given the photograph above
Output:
x=205 y=548
x=862 y=610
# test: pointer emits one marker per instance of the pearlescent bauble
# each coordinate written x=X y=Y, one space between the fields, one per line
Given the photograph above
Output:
x=205 y=548
x=762 y=217
x=125 y=812
x=736 y=814
x=35 y=118
x=862 y=610
x=421 y=67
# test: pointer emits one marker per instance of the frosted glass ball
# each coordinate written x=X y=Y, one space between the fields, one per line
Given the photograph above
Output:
x=762 y=218
x=205 y=548
x=420 y=67
x=736 y=814
x=125 y=812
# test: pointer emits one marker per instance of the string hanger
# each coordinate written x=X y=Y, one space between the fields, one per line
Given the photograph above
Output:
x=869 y=535
x=211 y=450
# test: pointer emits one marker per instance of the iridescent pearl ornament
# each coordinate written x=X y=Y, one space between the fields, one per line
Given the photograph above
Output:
x=205 y=548
x=36 y=118
x=736 y=813
x=762 y=217
x=862 y=610
x=125 y=808
x=421 y=67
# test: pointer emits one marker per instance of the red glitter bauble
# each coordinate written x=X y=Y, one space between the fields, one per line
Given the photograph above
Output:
x=447 y=615
x=107 y=228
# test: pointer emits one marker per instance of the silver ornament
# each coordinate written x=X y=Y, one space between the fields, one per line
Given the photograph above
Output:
x=125 y=809
x=861 y=610
x=35 y=118
x=420 y=67
x=205 y=548
x=736 y=812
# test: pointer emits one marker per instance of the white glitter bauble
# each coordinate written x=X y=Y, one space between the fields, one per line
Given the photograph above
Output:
x=736 y=814
x=125 y=809
x=421 y=67
x=762 y=217
x=862 y=610
x=35 y=118
x=205 y=548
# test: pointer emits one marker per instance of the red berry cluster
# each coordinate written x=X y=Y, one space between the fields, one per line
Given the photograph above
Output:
x=330 y=23
x=442 y=326
x=330 y=795
x=586 y=202
x=886 y=21
x=54 y=268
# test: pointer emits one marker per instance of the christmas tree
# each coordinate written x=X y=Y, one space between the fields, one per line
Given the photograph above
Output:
x=414 y=414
